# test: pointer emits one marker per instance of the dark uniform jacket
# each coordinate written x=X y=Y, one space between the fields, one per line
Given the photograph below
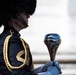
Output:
x=13 y=54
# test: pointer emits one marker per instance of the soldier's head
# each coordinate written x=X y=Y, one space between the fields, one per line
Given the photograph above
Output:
x=16 y=9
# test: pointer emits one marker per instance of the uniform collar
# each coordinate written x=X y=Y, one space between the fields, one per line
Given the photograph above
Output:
x=8 y=28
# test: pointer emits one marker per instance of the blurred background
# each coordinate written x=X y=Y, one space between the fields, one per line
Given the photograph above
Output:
x=53 y=16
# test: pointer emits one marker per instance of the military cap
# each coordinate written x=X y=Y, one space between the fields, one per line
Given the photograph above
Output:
x=9 y=8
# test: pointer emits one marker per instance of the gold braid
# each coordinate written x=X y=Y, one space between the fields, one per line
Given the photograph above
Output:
x=5 y=53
